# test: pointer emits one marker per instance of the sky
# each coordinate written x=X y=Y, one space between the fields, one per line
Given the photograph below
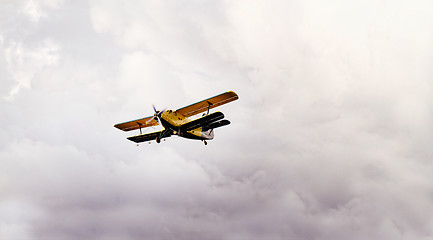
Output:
x=331 y=137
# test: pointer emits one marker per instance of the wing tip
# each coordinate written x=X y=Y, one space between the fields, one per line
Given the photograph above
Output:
x=119 y=126
x=234 y=95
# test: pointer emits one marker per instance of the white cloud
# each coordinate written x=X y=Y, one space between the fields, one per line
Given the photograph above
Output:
x=33 y=11
x=52 y=4
x=23 y=63
x=15 y=217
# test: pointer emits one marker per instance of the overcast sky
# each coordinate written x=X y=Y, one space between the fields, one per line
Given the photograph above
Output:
x=331 y=137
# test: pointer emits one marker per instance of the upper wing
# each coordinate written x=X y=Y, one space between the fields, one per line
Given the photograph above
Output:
x=135 y=124
x=203 y=106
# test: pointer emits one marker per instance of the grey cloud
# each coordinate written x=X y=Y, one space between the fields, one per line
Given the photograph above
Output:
x=330 y=138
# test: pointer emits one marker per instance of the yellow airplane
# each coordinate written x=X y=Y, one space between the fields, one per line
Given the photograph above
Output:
x=177 y=122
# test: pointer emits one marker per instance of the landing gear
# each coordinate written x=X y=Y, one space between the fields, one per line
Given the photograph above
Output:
x=204 y=141
x=158 y=139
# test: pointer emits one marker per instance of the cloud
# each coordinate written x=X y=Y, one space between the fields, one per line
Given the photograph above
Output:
x=23 y=64
x=33 y=11
x=329 y=139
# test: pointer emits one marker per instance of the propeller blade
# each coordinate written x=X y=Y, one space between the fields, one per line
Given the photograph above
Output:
x=160 y=112
x=157 y=115
x=148 y=121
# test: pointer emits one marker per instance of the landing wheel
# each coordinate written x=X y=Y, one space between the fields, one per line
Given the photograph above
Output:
x=205 y=143
x=158 y=140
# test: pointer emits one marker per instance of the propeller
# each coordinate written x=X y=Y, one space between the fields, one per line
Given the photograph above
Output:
x=156 y=115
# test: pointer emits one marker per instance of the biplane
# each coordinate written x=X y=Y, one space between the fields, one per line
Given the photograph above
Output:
x=177 y=122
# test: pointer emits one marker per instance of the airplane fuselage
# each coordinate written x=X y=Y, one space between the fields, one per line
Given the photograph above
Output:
x=172 y=120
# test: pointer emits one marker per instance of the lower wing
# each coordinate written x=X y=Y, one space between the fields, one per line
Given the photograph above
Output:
x=218 y=124
x=151 y=136
x=203 y=121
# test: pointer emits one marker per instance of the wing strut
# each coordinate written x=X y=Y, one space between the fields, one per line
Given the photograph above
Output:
x=208 y=107
x=139 y=125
